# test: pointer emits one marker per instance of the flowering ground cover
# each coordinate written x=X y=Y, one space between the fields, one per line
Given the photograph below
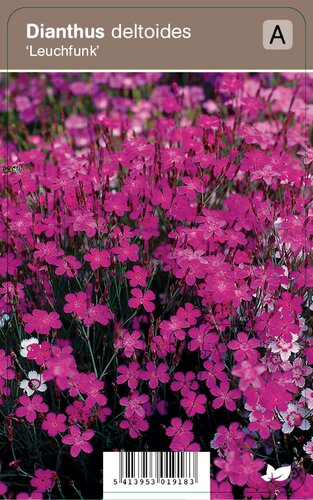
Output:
x=156 y=273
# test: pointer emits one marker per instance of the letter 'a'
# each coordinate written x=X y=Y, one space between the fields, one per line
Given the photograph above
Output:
x=277 y=34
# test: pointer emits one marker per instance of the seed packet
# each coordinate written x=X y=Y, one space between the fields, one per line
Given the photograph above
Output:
x=156 y=253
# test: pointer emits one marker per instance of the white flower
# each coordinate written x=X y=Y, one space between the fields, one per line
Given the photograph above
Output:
x=280 y=474
x=285 y=349
x=33 y=383
x=4 y=319
x=25 y=346
x=307 y=397
x=294 y=417
x=308 y=448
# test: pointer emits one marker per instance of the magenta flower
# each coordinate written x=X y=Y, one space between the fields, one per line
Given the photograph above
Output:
x=142 y=299
x=98 y=258
x=83 y=220
x=78 y=413
x=224 y=396
x=3 y=488
x=135 y=426
x=212 y=373
x=99 y=313
x=244 y=348
x=184 y=381
x=78 y=440
x=238 y=471
x=54 y=424
x=155 y=374
x=308 y=155
x=193 y=403
x=41 y=322
x=47 y=252
x=116 y=203
x=44 y=479
x=67 y=265
x=34 y=495
x=39 y=352
x=6 y=372
x=180 y=430
x=202 y=338
x=130 y=374
x=126 y=251
x=130 y=342
x=263 y=422
x=249 y=374
x=137 y=277
x=275 y=396
x=11 y=291
x=92 y=388
x=134 y=404
x=76 y=303
x=29 y=407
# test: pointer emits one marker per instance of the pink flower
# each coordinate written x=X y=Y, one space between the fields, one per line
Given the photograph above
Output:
x=99 y=313
x=222 y=490
x=78 y=440
x=130 y=342
x=68 y=265
x=130 y=374
x=54 y=424
x=182 y=436
x=244 y=348
x=126 y=251
x=83 y=220
x=29 y=407
x=135 y=425
x=41 y=321
x=34 y=495
x=225 y=396
x=134 y=404
x=193 y=403
x=249 y=374
x=116 y=203
x=3 y=488
x=98 y=258
x=274 y=396
x=137 y=277
x=76 y=303
x=78 y=412
x=44 y=479
x=308 y=155
x=11 y=291
x=177 y=427
x=202 y=338
x=213 y=371
x=92 y=388
x=47 y=251
x=39 y=352
x=262 y=422
x=142 y=299
x=6 y=362
x=183 y=381
x=237 y=467
x=155 y=374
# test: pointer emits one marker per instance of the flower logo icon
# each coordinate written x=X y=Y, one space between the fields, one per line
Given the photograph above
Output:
x=280 y=474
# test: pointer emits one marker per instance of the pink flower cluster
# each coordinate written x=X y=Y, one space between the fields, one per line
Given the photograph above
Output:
x=155 y=277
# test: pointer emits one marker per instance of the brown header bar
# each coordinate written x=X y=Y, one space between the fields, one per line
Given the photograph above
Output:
x=179 y=36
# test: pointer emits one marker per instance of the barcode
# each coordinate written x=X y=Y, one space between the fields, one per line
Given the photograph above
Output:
x=158 y=465
x=156 y=475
